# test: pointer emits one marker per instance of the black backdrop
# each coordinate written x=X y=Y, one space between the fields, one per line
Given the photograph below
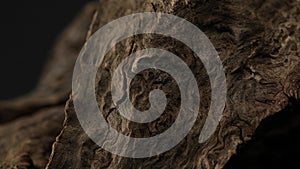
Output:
x=28 y=30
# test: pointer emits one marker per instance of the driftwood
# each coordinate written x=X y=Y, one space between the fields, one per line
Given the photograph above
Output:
x=258 y=43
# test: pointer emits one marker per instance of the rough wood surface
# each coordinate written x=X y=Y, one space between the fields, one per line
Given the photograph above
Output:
x=258 y=43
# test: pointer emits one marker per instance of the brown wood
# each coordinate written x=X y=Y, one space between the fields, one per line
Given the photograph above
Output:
x=258 y=43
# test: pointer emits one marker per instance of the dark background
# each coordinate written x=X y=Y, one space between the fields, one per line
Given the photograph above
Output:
x=28 y=31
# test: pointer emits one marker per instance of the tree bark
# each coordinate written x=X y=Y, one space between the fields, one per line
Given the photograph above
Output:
x=257 y=41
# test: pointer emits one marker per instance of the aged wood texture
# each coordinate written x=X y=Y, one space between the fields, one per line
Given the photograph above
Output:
x=258 y=42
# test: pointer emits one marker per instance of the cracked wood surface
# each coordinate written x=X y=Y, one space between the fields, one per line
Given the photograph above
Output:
x=257 y=41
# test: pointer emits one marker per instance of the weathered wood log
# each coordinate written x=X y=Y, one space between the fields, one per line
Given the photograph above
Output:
x=258 y=43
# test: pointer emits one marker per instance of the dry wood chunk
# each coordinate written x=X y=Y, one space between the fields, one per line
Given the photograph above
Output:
x=254 y=39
